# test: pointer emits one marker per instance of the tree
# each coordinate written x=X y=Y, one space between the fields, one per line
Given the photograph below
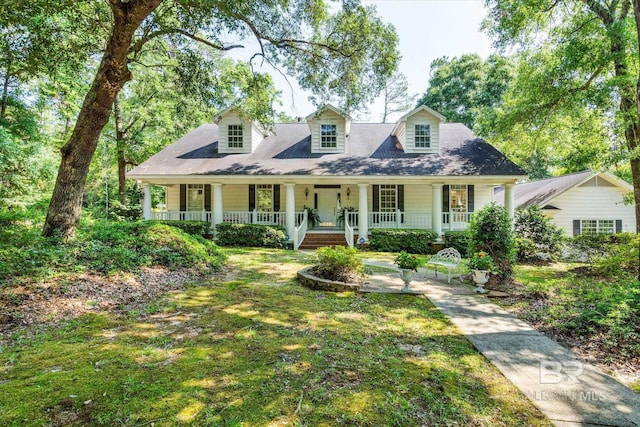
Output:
x=396 y=96
x=460 y=88
x=594 y=48
x=347 y=54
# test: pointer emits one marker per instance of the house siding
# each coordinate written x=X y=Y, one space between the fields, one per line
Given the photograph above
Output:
x=589 y=202
x=328 y=117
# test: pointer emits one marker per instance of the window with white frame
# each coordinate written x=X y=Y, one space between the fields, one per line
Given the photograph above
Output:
x=388 y=198
x=422 y=136
x=596 y=226
x=264 y=197
x=328 y=136
x=195 y=197
x=458 y=197
x=234 y=136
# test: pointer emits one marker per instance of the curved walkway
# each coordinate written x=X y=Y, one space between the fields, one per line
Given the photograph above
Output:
x=569 y=391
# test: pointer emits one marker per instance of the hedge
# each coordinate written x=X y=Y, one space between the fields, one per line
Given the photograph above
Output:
x=268 y=236
x=396 y=240
x=196 y=228
x=458 y=240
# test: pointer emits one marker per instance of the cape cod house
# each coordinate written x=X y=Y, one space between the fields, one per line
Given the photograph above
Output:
x=417 y=173
x=582 y=202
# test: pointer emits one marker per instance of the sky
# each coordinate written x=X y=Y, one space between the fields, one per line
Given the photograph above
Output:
x=427 y=29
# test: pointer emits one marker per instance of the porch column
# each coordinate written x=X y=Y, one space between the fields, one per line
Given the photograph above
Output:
x=290 y=209
x=146 y=203
x=363 y=213
x=508 y=201
x=436 y=210
x=218 y=208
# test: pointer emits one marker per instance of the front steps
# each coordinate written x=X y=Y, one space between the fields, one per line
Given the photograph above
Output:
x=314 y=240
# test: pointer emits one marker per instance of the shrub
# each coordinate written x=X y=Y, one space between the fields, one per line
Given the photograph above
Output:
x=537 y=238
x=269 y=236
x=120 y=212
x=590 y=247
x=458 y=240
x=197 y=228
x=398 y=240
x=490 y=231
x=338 y=263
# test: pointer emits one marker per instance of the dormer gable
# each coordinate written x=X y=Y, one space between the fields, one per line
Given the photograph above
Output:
x=237 y=133
x=329 y=129
x=418 y=131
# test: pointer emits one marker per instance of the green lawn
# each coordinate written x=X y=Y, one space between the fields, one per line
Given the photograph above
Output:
x=252 y=348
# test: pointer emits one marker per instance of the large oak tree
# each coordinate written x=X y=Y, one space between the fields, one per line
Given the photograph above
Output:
x=339 y=51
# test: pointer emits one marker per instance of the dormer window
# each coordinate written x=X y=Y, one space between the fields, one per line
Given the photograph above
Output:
x=235 y=137
x=328 y=136
x=423 y=136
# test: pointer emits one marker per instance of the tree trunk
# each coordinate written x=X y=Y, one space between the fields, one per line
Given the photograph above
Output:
x=121 y=142
x=66 y=202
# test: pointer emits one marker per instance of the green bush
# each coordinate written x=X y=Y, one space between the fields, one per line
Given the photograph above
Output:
x=338 y=263
x=120 y=212
x=458 y=240
x=490 y=231
x=537 y=238
x=619 y=255
x=197 y=228
x=268 y=236
x=105 y=247
x=398 y=240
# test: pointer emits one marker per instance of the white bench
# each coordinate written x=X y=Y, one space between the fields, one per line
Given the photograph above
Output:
x=448 y=258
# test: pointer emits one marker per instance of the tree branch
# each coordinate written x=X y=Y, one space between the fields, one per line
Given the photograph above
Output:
x=605 y=15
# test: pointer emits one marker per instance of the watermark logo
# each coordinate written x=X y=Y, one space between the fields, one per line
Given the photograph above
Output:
x=552 y=372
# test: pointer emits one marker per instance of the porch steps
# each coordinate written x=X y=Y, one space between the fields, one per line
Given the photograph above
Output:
x=317 y=240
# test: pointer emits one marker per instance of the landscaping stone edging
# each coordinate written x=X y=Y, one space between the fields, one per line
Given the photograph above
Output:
x=308 y=280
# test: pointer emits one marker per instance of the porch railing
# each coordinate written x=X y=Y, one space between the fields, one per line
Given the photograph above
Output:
x=300 y=231
x=396 y=219
x=348 y=231
x=182 y=216
x=254 y=217
x=456 y=220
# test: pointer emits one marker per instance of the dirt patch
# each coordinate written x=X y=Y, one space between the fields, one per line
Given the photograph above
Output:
x=53 y=301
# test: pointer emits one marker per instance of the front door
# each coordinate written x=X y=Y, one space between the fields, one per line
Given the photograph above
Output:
x=328 y=204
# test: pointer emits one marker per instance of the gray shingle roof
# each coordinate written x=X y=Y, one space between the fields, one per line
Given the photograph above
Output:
x=370 y=151
x=542 y=191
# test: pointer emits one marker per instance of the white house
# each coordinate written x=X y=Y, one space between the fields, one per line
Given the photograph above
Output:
x=417 y=173
x=583 y=202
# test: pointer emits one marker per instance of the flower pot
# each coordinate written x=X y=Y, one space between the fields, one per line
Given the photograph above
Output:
x=407 y=276
x=480 y=277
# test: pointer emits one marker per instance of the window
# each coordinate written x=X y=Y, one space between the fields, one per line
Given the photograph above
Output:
x=234 y=136
x=328 y=136
x=423 y=136
x=458 y=196
x=595 y=226
x=388 y=198
x=264 y=197
x=195 y=197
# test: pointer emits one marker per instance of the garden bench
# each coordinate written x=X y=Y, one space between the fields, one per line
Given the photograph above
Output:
x=448 y=258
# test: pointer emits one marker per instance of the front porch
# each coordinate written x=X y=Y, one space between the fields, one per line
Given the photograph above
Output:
x=353 y=209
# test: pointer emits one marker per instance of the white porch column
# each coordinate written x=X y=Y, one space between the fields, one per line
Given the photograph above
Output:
x=290 y=209
x=363 y=213
x=218 y=207
x=436 y=210
x=146 y=203
x=508 y=201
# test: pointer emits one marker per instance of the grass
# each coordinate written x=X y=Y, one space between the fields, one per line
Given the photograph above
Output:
x=253 y=348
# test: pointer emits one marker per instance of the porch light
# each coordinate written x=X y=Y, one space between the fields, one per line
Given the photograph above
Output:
x=306 y=193
x=348 y=193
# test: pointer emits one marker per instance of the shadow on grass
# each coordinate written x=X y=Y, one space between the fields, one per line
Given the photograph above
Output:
x=253 y=347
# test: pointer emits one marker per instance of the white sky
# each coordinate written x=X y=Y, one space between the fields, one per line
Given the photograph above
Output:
x=427 y=29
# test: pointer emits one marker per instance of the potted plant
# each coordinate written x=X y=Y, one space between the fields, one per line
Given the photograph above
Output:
x=409 y=265
x=482 y=265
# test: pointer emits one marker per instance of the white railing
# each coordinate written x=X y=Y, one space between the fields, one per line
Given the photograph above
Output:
x=456 y=220
x=300 y=232
x=397 y=219
x=254 y=217
x=348 y=231
x=182 y=216
x=237 y=217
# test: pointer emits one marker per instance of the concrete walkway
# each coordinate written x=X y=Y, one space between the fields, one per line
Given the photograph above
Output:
x=569 y=391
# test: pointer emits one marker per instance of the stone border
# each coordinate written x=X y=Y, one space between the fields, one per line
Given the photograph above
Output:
x=308 y=280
